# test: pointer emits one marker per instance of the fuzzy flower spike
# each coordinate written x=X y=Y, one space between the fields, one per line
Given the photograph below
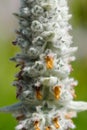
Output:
x=43 y=85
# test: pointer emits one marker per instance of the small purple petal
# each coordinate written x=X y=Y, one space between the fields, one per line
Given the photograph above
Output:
x=14 y=42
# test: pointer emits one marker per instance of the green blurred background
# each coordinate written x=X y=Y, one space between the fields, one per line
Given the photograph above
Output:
x=7 y=69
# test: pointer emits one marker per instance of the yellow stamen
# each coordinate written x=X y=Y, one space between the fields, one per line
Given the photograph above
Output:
x=56 y=123
x=47 y=128
x=49 y=62
x=57 y=92
x=36 y=125
x=38 y=95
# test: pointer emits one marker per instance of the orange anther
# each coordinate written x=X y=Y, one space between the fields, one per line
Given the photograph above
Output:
x=57 y=92
x=36 y=125
x=49 y=62
x=56 y=123
x=48 y=128
x=38 y=95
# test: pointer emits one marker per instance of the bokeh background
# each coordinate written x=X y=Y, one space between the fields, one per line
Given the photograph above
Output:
x=8 y=24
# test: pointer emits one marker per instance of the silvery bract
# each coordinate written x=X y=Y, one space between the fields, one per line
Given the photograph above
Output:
x=43 y=85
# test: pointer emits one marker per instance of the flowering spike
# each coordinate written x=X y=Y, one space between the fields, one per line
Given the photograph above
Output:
x=43 y=85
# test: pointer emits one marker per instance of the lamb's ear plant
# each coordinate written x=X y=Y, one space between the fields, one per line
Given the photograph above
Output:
x=44 y=87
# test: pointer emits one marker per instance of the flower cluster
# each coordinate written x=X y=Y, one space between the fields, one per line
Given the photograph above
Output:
x=43 y=85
